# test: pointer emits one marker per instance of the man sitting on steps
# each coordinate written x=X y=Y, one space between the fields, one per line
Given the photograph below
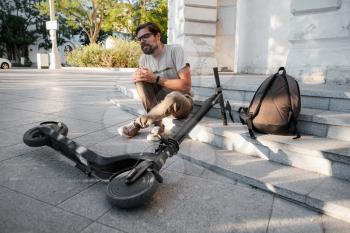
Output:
x=163 y=82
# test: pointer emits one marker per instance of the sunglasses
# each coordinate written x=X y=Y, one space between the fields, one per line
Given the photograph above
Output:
x=145 y=36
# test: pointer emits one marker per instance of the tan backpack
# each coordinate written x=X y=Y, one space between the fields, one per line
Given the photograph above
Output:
x=275 y=106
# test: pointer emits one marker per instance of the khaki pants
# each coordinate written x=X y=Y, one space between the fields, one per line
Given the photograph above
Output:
x=159 y=104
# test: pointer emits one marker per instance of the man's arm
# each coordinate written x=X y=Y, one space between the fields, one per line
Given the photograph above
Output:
x=181 y=83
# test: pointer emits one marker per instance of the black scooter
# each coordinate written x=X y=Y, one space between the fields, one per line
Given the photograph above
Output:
x=133 y=178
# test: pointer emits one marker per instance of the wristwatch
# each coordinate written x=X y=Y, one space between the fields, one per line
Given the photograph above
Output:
x=157 y=79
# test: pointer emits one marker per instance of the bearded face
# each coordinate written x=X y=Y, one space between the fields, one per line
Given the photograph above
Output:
x=148 y=48
x=148 y=41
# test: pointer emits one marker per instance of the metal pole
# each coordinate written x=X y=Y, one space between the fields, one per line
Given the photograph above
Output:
x=55 y=61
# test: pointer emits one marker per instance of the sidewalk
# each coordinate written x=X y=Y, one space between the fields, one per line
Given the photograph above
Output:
x=41 y=192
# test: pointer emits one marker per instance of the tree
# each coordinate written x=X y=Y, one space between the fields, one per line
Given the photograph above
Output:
x=17 y=29
x=128 y=15
x=96 y=17
x=63 y=34
x=87 y=15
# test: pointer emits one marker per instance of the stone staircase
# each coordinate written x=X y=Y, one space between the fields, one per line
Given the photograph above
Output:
x=313 y=171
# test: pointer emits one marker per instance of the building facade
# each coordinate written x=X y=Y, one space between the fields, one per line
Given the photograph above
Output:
x=311 y=38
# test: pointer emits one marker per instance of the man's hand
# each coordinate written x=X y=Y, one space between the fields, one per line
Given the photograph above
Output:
x=144 y=75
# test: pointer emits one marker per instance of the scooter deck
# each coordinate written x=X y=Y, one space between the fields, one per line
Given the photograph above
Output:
x=90 y=162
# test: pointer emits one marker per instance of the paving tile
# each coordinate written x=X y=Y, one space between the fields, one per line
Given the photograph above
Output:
x=302 y=160
x=288 y=217
x=216 y=176
x=195 y=148
x=106 y=115
x=76 y=127
x=45 y=175
x=185 y=167
x=120 y=145
x=95 y=137
x=99 y=228
x=332 y=196
x=7 y=99
x=284 y=180
x=292 y=182
x=14 y=150
x=9 y=139
x=332 y=225
x=114 y=115
x=189 y=204
x=10 y=116
x=20 y=213
x=41 y=106
x=91 y=203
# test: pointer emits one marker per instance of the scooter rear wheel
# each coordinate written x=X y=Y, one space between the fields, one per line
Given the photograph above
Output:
x=59 y=127
x=35 y=138
x=127 y=196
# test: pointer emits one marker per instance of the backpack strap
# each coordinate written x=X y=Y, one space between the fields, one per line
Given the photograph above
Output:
x=250 y=126
x=246 y=119
x=229 y=109
x=260 y=95
x=293 y=90
x=243 y=115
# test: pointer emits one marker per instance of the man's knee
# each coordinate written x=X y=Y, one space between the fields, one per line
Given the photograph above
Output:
x=179 y=105
x=173 y=97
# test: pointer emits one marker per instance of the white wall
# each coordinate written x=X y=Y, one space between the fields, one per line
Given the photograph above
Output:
x=192 y=24
x=310 y=37
x=261 y=35
x=225 y=33
x=320 y=38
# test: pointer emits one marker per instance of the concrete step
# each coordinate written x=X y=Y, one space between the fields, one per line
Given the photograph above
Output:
x=325 y=156
x=321 y=123
x=243 y=87
x=317 y=122
x=322 y=193
x=262 y=163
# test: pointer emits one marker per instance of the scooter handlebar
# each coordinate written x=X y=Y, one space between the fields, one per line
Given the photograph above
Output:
x=216 y=75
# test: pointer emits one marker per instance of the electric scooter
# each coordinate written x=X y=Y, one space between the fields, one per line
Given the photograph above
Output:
x=132 y=178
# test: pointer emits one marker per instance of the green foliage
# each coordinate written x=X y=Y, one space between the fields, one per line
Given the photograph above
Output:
x=63 y=34
x=123 y=54
x=17 y=27
x=85 y=15
x=127 y=16
x=94 y=17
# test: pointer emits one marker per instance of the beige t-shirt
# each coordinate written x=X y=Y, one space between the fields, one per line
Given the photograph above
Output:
x=168 y=64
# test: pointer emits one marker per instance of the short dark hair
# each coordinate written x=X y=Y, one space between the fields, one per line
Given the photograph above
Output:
x=152 y=28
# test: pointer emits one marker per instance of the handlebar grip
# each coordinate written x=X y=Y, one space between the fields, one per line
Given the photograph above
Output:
x=216 y=75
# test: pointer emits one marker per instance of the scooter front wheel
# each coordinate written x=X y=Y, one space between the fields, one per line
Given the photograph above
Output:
x=127 y=196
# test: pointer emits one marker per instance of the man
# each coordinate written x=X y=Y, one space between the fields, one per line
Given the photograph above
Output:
x=163 y=82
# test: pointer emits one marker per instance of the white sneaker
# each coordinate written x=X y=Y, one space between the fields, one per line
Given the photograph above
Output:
x=155 y=134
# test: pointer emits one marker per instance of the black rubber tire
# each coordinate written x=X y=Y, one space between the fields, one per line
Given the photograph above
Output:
x=59 y=127
x=35 y=138
x=127 y=196
x=5 y=65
